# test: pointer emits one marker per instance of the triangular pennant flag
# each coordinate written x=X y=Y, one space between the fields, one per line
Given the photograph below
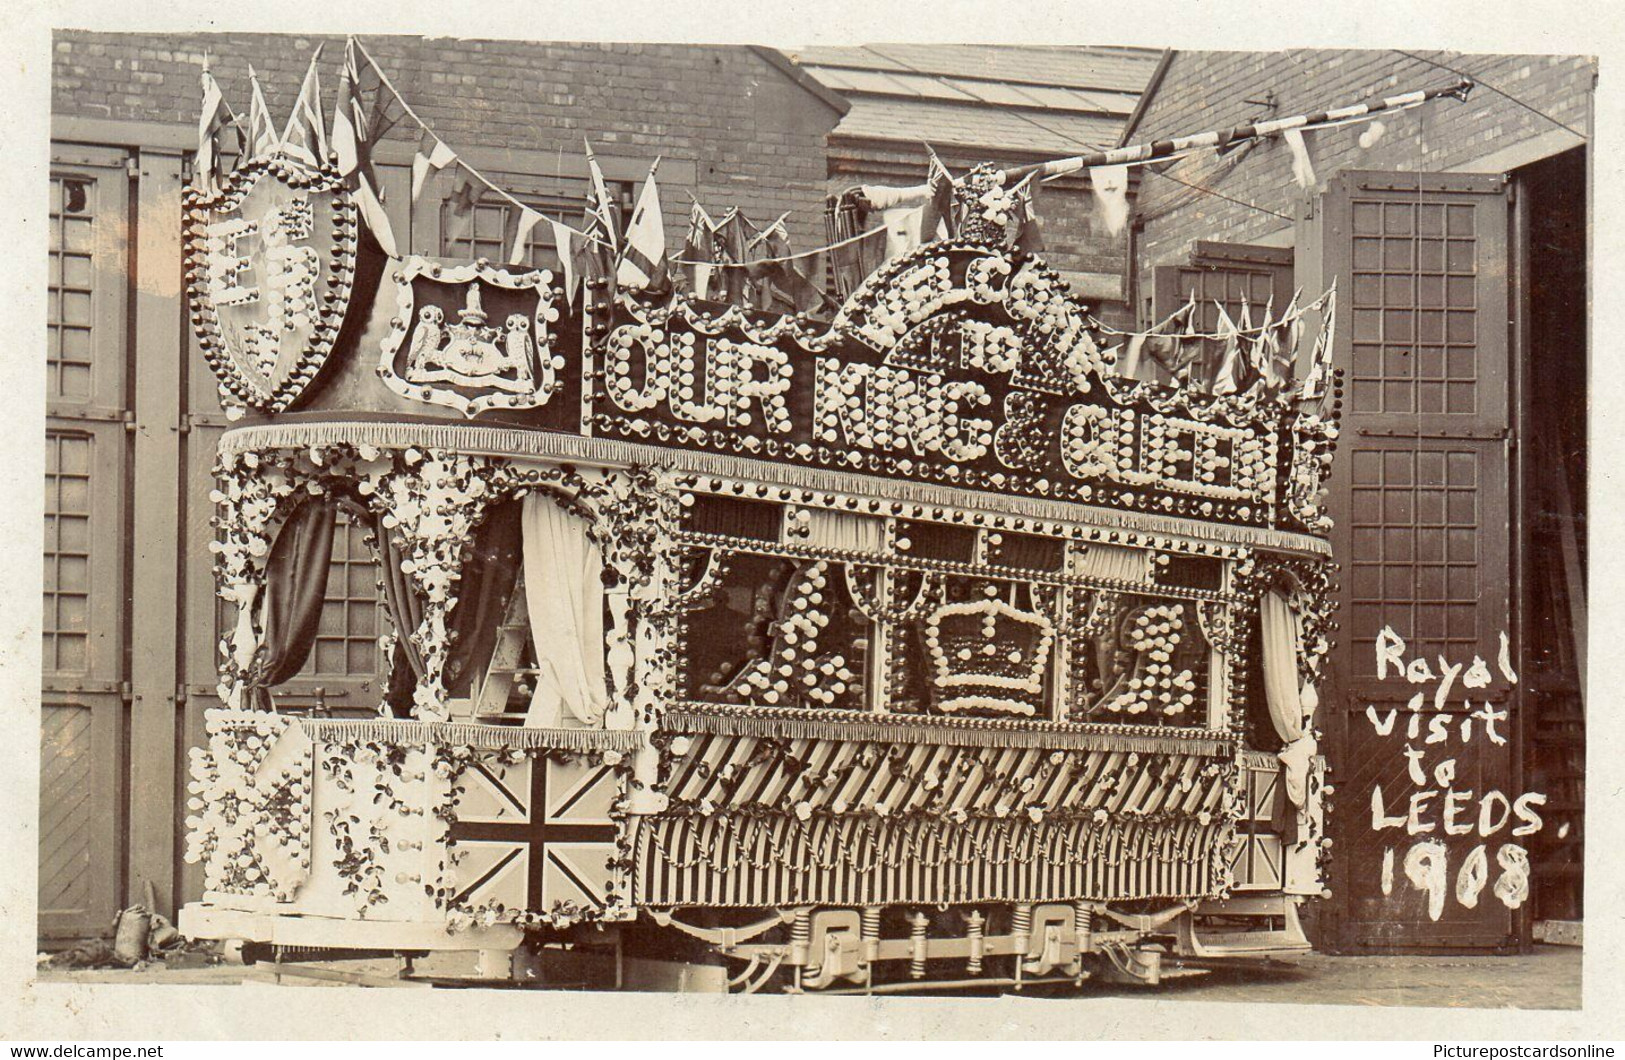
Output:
x=214 y=117
x=305 y=136
x=1303 y=169
x=1110 y=184
x=520 y=247
x=643 y=258
x=432 y=156
x=566 y=242
x=262 y=138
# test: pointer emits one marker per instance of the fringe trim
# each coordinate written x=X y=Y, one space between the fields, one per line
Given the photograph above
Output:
x=449 y=734
x=956 y=732
x=1250 y=759
x=515 y=442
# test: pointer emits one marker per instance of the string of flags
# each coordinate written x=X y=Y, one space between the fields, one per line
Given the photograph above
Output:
x=731 y=259
x=1234 y=357
x=906 y=207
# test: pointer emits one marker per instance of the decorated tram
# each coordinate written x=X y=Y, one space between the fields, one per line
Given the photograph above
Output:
x=946 y=638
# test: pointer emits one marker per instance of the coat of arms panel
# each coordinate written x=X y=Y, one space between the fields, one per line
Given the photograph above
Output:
x=473 y=337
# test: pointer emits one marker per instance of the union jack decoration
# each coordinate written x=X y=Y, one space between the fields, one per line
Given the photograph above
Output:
x=1258 y=861
x=534 y=834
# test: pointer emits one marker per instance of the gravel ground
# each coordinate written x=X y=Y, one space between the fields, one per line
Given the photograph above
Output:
x=1547 y=978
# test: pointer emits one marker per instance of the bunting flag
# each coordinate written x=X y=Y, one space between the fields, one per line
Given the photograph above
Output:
x=262 y=138
x=1110 y=184
x=902 y=229
x=643 y=258
x=519 y=246
x=732 y=248
x=1129 y=355
x=354 y=129
x=856 y=249
x=600 y=218
x=699 y=251
x=305 y=136
x=431 y=157
x=1294 y=335
x=591 y=256
x=465 y=195
x=1028 y=237
x=783 y=287
x=216 y=114
x=1315 y=380
x=349 y=116
x=937 y=218
x=1303 y=169
x=1231 y=374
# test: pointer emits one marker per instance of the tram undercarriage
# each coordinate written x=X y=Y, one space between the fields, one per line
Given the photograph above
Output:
x=851 y=951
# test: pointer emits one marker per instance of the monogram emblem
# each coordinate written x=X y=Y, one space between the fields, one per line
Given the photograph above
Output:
x=272 y=263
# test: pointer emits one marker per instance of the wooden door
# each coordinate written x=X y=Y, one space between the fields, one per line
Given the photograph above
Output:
x=85 y=671
x=1421 y=500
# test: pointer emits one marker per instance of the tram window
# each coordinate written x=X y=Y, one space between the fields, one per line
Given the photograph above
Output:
x=776 y=632
x=1190 y=572
x=733 y=517
x=956 y=544
x=1148 y=665
x=1025 y=551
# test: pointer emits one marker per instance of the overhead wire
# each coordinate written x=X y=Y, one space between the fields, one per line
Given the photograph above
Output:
x=1500 y=92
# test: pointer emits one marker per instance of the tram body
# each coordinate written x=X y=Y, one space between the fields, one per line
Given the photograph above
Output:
x=913 y=648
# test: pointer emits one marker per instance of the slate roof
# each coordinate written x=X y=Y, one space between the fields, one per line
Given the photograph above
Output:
x=1049 y=99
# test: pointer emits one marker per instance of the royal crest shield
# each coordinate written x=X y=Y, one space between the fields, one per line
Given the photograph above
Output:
x=473 y=337
x=272 y=261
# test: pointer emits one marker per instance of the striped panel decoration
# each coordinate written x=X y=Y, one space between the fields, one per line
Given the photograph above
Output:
x=744 y=861
x=711 y=773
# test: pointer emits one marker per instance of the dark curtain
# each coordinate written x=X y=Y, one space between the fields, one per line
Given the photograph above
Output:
x=295 y=586
x=488 y=579
x=405 y=613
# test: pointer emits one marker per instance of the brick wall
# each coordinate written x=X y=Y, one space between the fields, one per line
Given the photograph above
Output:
x=1075 y=244
x=755 y=137
x=1210 y=90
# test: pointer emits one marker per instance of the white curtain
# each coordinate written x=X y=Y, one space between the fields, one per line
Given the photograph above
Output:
x=564 y=593
x=845 y=530
x=1290 y=704
x=1113 y=561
